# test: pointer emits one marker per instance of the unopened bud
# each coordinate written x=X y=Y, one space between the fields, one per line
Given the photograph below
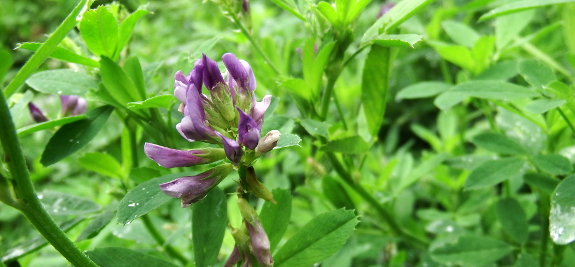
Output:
x=248 y=213
x=36 y=113
x=268 y=142
x=257 y=188
x=260 y=243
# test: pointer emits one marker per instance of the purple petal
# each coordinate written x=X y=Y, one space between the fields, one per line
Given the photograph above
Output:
x=234 y=258
x=196 y=75
x=236 y=69
x=180 y=77
x=211 y=73
x=251 y=83
x=232 y=148
x=192 y=129
x=36 y=113
x=260 y=242
x=248 y=131
x=80 y=107
x=169 y=158
x=260 y=109
x=69 y=103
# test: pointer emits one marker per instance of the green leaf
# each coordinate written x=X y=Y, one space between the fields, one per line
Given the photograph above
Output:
x=460 y=33
x=541 y=106
x=327 y=10
x=507 y=28
x=374 y=86
x=397 y=40
x=349 y=145
x=5 y=63
x=73 y=136
x=334 y=191
x=496 y=90
x=498 y=143
x=536 y=73
x=555 y=164
x=62 y=82
x=103 y=164
x=35 y=243
x=123 y=257
x=422 y=90
x=209 y=221
x=356 y=8
x=458 y=55
x=394 y=17
x=97 y=224
x=46 y=49
x=470 y=250
x=564 y=92
x=275 y=218
x=127 y=27
x=159 y=101
x=99 y=30
x=117 y=83
x=541 y=181
x=424 y=168
x=562 y=215
x=48 y=125
x=526 y=260
x=133 y=70
x=482 y=53
x=513 y=219
x=287 y=140
x=298 y=87
x=290 y=6
x=62 y=54
x=317 y=240
x=57 y=203
x=501 y=71
x=143 y=174
x=145 y=197
x=427 y=135
x=314 y=127
x=518 y=6
x=276 y=123
x=492 y=172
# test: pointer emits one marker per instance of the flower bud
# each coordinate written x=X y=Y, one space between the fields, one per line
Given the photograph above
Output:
x=170 y=158
x=257 y=188
x=36 y=113
x=268 y=142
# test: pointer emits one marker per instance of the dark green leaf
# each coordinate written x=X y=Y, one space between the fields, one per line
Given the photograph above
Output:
x=317 y=240
x=350 y=145
x=496 y=90
x=536 y=73
x=422 y=90
x=48 y=125
x=99 y=30
x=374 y=86
x=287 y=140
x=334 y=191
x=35 y=243
x=62 y=82
x=498 y=143
x=470 y=250
x=394 y=17
x=541 y=181
x=513 y=219
x=314 y=127
x=526 y=260
x=493 y=172
x=562 y=213
x=159 y=101
x=57 y=203
x=63 y=54
x=103 y=164
x=73 y=136
x=123 y=257
x=541 y=106
x=97 y=223
x=117 y=83
x=209 y=221
x=127 y=27
x=518 y=6
x=145 y=197
x=275 y=218
x=460 y=33
x=553 y=164
x=133 y=70
x=397 y=40
x=275 y=123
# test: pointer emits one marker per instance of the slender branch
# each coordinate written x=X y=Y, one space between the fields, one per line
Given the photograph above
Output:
x=566 y=120
x=26 y=199
x=161 y=241
x=45 y=50
x=325 y=100
x=255 y=44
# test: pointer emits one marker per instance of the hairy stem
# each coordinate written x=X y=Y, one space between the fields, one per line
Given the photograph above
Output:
x=26 y=200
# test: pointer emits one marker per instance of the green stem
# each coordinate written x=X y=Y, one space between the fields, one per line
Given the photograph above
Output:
x=27 y=201
x=544 y=205
x=518 y=112
x=161 y=241
x=45 y=50
x=255 y=44
x=381 y=211
x=566 y=120
x=325 y=100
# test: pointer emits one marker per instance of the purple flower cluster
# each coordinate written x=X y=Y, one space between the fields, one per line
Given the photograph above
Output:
x=229 y=116
x=72 y=105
